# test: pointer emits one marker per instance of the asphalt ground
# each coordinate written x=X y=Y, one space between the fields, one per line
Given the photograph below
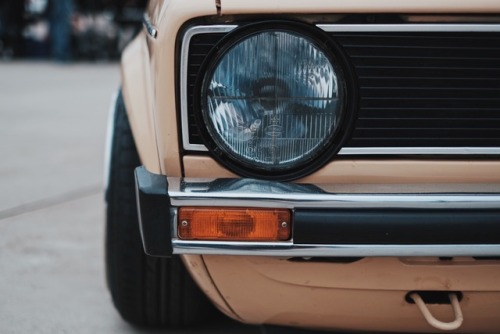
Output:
x=52 y=134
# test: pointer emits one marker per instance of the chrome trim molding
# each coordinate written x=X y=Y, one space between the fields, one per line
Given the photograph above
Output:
x=301 y=250
x=411 y=27
x=268 y=194
x=110 y=129
x=183 y=77
x=150 y=28
x=338 y=201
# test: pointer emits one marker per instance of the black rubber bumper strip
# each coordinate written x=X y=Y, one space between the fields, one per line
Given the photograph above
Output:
x=153 y=204
x=396 y=226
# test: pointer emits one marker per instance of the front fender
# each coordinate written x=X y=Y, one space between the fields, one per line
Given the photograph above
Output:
x=137 y=93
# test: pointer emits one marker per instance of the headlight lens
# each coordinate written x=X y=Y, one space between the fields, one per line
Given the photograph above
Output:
x=272 y=100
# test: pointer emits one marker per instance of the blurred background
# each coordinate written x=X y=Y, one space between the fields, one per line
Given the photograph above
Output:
x=67 y=30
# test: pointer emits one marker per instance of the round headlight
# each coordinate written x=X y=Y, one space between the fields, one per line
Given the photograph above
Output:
x=272 y=101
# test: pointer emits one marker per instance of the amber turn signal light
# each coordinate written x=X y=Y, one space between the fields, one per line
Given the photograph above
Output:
x=234 y=224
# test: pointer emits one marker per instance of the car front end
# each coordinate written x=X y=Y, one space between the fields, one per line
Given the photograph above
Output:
x=324 y=165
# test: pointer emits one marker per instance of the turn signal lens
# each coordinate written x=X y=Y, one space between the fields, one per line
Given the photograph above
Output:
x=234 y=224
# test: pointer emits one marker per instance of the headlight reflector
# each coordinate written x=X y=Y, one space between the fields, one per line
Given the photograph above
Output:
x=272 y=100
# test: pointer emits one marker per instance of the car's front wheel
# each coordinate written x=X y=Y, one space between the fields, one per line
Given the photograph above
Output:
x=147 y=291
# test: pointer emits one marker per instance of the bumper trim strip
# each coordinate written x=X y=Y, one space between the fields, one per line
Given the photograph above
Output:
x=159 y=199
x=397 y=226
x=314 y=198
x=307 y=250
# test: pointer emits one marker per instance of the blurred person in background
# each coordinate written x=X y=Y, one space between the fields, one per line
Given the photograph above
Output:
x=67 y=30
x=11 y=27
x=60 y=15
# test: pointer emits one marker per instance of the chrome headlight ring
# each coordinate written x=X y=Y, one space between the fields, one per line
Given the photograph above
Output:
x=274 y=100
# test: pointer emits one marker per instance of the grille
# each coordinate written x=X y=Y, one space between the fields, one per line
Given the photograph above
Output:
x=426 y=90
x=199 y=47
x=416 y=89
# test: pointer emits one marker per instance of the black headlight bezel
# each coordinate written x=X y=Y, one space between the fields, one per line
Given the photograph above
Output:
x=346 y=77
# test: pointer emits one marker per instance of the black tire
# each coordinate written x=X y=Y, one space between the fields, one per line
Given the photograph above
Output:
x=146 y=291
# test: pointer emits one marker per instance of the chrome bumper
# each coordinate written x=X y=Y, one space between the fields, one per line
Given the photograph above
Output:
x=330 y=220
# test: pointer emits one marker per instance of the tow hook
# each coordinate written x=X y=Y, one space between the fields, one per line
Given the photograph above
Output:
x=454 y=301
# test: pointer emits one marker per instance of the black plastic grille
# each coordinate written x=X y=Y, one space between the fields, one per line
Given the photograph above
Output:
x=436 y=89
x=199 y=48
x=426 y=89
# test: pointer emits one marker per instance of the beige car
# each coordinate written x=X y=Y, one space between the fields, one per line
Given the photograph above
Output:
x=316 y=164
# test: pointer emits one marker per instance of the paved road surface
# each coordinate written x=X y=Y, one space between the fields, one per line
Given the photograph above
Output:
x=52 y=133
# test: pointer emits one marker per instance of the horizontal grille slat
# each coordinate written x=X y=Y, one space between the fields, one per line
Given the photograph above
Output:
x=366 y=142
x=416 y=89
x=426 y=73
x=434 y=93
x=427 y=123
x=426 y=113
x=426 y=103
